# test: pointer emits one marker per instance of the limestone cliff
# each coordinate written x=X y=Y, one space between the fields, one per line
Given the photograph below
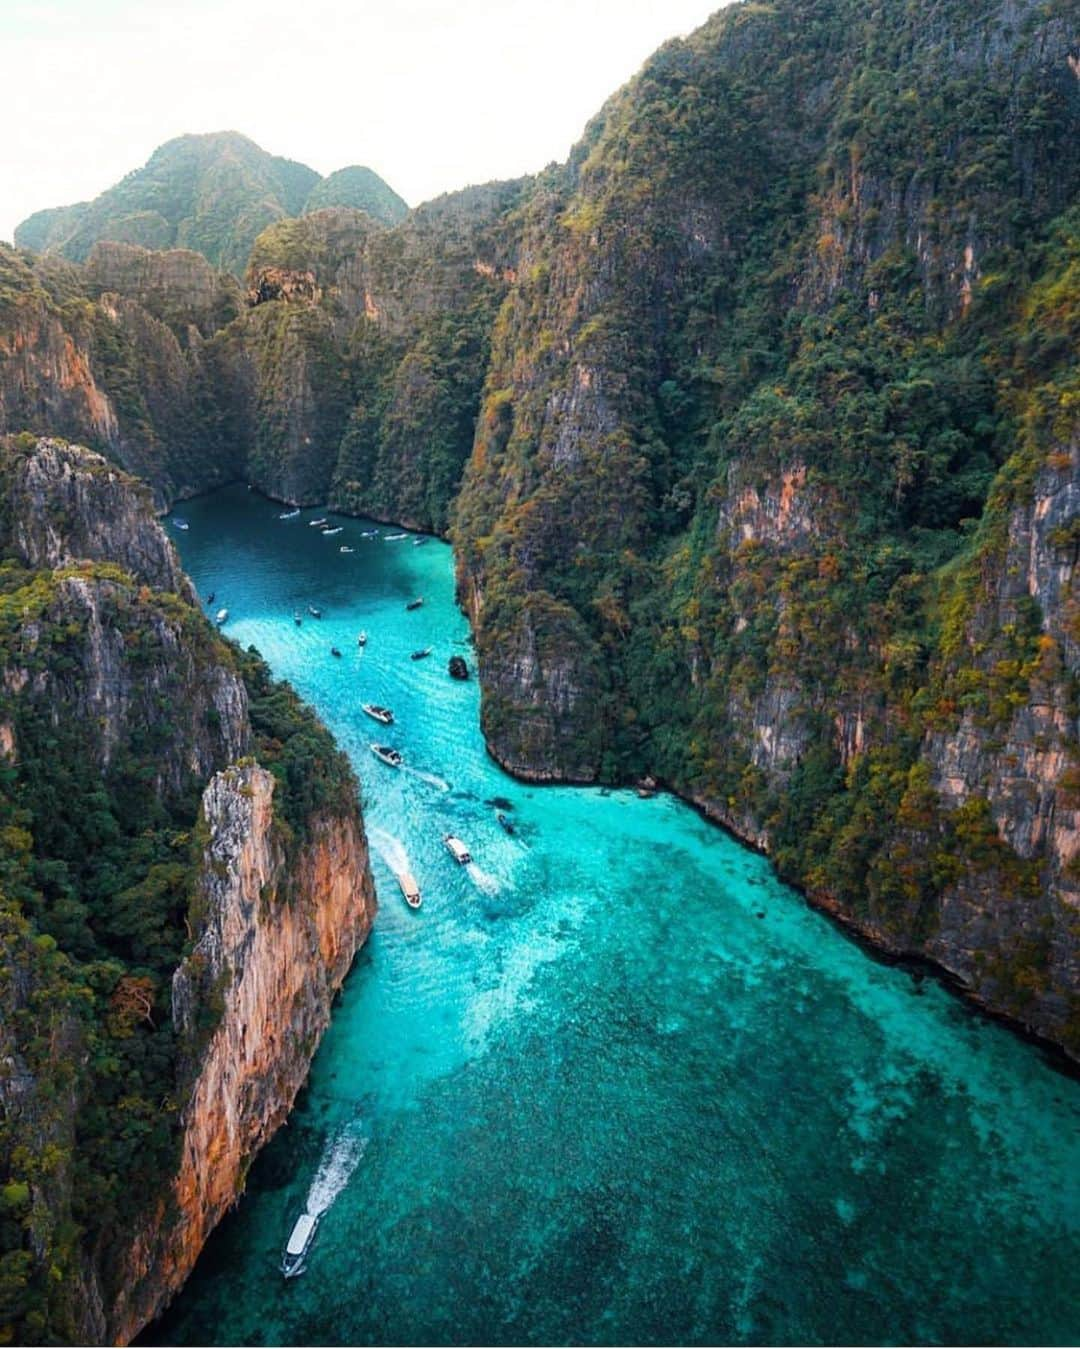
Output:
x=278 y=939
x=177 y=908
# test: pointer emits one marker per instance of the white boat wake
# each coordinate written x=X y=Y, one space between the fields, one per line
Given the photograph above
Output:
x=390 y=849
x=341 y=1156
x=431 y=778
x=483 y=880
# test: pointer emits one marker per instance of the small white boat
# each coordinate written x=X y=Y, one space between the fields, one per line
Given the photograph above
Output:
x=345 y=548
x=320 y=521
x=393 y=538
x=362 y=639
x=181 y=524
x=315 y=613
x=369 y=533
x=389 y=756
x=419 y=543
x=289 y=515
x=221 y=616
x=298 y=1245
x=457 y=849
x=336 y=530
x=382 y=714
x=409 y=888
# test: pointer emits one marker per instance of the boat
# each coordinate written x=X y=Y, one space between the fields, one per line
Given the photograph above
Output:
x=362 y=639
x=346 y=549
x=298 y=1245
x=221 y=616
x=334 y=651
x=415 y=604
x=210 y=597
x=457 y=849
x=505 y=823
x=419 y=655
x=336 y=530
x=419 y=543
x=389 y=756
x=289 y=515
x=382 y=714
x=315 y=613
x=393 y=538
x=296 y=618
x=320 y=521
x=409 y=888
x=369 y=533
x=181 y=524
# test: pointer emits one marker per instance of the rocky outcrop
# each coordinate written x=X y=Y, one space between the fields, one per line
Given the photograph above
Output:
x=66 y=504
x=278 y=940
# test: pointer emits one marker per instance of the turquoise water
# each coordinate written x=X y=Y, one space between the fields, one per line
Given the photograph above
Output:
x=617 y=1084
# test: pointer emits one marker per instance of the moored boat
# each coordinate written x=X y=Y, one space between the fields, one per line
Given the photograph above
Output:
x=320 y=521
x=382 y=714
x=315 y=613
x=419 y=543
x=297 y=619
x=420 y=655
x=221 y=616
x=362 y=639
x=415 y=604
x=289 y=515
x=181 y=524
x=457 y=850
x=334 y=651
x=345 y=549
x=393 y=538
x=298 y=1245
x=389 y=756
x=336 y=530
x=409 y=888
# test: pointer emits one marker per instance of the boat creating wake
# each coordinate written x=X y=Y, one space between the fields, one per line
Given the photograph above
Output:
x=339 y=1160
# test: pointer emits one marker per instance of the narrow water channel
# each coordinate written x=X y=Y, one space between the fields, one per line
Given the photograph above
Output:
x=614 y=1083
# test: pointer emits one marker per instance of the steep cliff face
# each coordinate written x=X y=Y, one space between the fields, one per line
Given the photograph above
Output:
x=278 y=940
x=97 y=366
x=176 y=918
x=771 y=491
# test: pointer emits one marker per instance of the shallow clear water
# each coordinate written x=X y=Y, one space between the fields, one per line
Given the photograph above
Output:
x=618 y=1085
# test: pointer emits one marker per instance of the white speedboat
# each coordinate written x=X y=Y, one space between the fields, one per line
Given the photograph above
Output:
x=181 y=524
x=221 y=616
x=389 y=756
x=409 y=888
x=298 y=1245
x=345 y=549
x=289 y=515
x=457 y=850
x=393 y=538
x=336 y=530
x=320 y=521
x=382 y=714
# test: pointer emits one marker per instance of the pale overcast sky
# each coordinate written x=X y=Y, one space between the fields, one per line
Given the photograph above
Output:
x=431 y=95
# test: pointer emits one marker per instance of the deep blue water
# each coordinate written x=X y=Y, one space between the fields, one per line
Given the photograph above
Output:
x=616 y=1084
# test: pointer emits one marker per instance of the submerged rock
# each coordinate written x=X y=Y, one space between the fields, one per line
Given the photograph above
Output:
x=457 y=667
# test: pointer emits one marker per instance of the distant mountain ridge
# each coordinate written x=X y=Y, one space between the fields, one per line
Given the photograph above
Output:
x=211 y=193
